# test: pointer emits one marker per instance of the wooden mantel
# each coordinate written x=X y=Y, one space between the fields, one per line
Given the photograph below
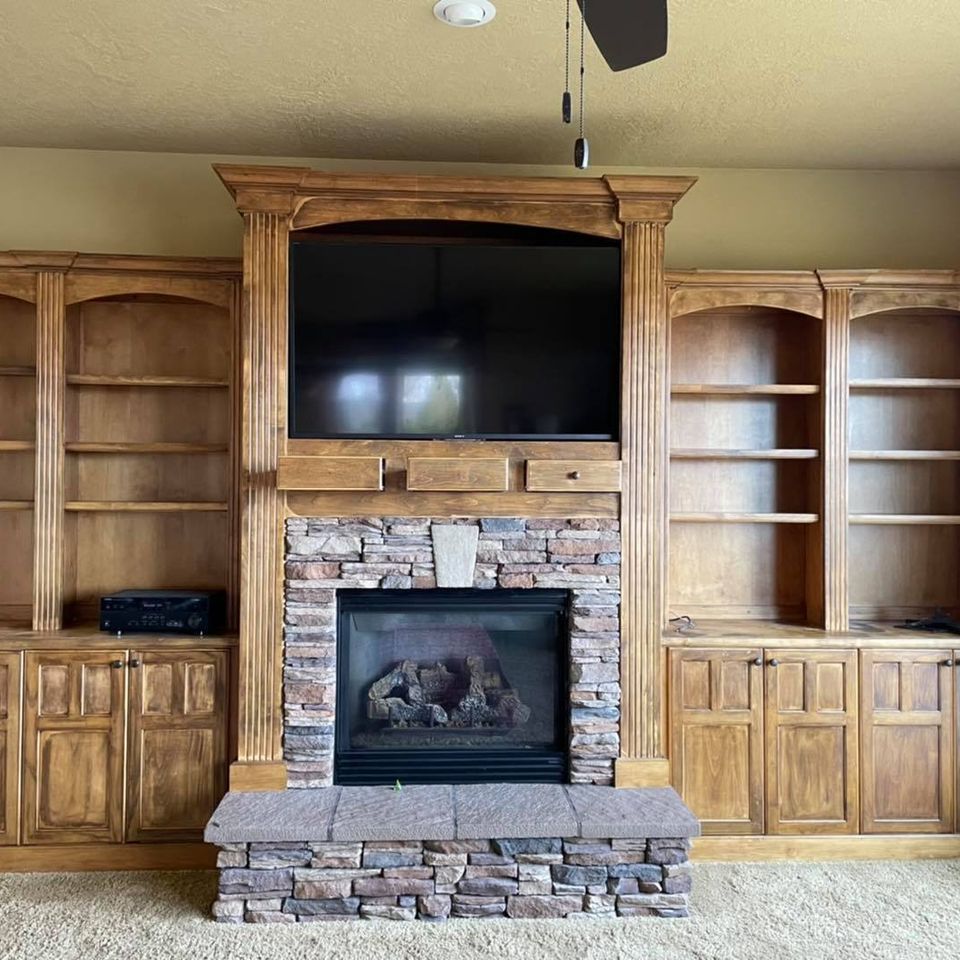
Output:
x=274 y=201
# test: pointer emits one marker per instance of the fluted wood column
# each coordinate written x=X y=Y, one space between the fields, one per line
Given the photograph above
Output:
x=643 y=506
x=264 y=349
x=48 y=463
x=836 y=390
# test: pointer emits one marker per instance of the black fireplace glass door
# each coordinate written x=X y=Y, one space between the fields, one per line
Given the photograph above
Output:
x=451 y=686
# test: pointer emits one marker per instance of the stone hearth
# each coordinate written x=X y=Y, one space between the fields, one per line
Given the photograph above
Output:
x=326 y=555
x=432 y=852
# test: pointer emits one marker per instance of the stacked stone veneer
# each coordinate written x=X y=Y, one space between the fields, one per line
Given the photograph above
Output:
x=324 y=555
x=437 y=879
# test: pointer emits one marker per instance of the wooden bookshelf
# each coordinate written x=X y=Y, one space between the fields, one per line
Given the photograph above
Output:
x=18 y=356
x=904 y=482
x=148 y=478
x=744 y=462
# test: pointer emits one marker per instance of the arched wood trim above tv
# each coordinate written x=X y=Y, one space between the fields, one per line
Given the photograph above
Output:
x=595 y=206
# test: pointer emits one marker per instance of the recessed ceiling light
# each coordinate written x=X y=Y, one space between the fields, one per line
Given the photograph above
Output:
x=464 y=13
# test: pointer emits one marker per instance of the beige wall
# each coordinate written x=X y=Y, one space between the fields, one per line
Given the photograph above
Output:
x=112 y=202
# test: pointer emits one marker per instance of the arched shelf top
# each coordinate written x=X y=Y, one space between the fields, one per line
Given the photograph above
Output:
x=18 y=285
x=694 y=291
x=84 y=287
x=865 y=303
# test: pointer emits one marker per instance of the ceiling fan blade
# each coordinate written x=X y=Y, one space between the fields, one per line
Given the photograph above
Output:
x=628 y=32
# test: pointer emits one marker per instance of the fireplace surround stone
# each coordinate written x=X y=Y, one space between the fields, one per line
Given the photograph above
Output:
x=324 y=555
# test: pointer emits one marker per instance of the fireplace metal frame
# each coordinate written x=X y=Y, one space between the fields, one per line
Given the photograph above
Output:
x=354 y=767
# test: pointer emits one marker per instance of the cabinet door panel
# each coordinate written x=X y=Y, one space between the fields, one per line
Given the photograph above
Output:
x=73 y=747
x=907 y=703
x=716 y=737
x=177 y=765
x=812 y=751
x=9 y=746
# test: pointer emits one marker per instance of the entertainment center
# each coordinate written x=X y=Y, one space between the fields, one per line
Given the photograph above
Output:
x=733 y=534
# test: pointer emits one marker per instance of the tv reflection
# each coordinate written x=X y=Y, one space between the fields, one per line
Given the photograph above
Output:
x=426 y=403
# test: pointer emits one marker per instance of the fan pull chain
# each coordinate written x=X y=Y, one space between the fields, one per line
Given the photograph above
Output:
x=567 y=106
x=581 y=152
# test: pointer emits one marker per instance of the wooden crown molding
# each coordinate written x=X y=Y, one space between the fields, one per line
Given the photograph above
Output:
x=75 y=262
x=874 y=291
x=311 y=198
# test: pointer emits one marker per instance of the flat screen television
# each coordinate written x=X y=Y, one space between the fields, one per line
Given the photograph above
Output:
x=440 y=339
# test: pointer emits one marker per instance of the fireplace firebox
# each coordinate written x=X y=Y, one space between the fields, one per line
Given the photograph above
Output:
x=452 y=686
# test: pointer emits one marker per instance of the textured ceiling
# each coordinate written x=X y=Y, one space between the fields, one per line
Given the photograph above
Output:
x=747 y=83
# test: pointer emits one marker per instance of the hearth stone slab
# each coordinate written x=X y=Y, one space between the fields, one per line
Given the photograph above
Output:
x=478 y=811
x=382 y=813
x=274 y=816
x=486 y=810
x=650 y=812
x=421 y=854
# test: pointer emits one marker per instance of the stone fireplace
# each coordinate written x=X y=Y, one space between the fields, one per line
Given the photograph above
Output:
x=490 y=651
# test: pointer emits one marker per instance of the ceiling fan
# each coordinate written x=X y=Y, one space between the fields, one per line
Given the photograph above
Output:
x=627 y=32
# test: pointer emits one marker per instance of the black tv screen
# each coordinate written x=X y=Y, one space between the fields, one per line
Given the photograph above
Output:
x=429 y=339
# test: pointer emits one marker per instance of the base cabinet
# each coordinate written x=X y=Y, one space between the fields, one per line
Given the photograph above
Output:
x=909 y=741
x=73 y=747
x=815 y=742
x=122 y=745
x=717 y=737
x=9 y=746
x=811 y=734
x=177 y=743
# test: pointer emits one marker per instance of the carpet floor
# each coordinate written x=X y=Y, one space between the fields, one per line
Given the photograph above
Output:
x=892 y=909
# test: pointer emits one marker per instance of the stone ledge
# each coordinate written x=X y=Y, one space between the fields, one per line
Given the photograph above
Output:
x=465 y=812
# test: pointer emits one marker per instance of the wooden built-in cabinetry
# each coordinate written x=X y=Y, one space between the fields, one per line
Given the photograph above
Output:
x=118 y=469
x=119 y=743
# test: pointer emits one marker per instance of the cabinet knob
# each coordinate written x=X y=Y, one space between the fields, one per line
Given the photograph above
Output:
x=948 y=662
x=134 y=662
x=758 y=661
x=774 y=662
x=574 y=474
x=116 y=664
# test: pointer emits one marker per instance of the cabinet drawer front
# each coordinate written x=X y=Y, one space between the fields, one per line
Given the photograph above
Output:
x=588 y=476
x=457 y=473
x=330 y=473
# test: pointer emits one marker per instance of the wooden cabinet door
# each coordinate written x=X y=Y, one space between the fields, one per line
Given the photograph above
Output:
x=73 y=747
x=9 y=746
x=907 y=705
x=178 y=731
x=716 y=737
x=811 y=732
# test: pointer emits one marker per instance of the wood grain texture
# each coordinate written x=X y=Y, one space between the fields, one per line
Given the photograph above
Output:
x=694 y=290
x=49 y=465
x=811 y=728
x=9 y=748
x=258 y=777
x=716 y=737
x=330 y=473
x=643 y=440
x=264 y=349
x=73 y=721
x=652 y=772
x=836 y=593
x=457 y=474
x=429 y=504
x=81 y=858
x=177 y=737
x=766 y=849
x=909 y=742
x=592 y=476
